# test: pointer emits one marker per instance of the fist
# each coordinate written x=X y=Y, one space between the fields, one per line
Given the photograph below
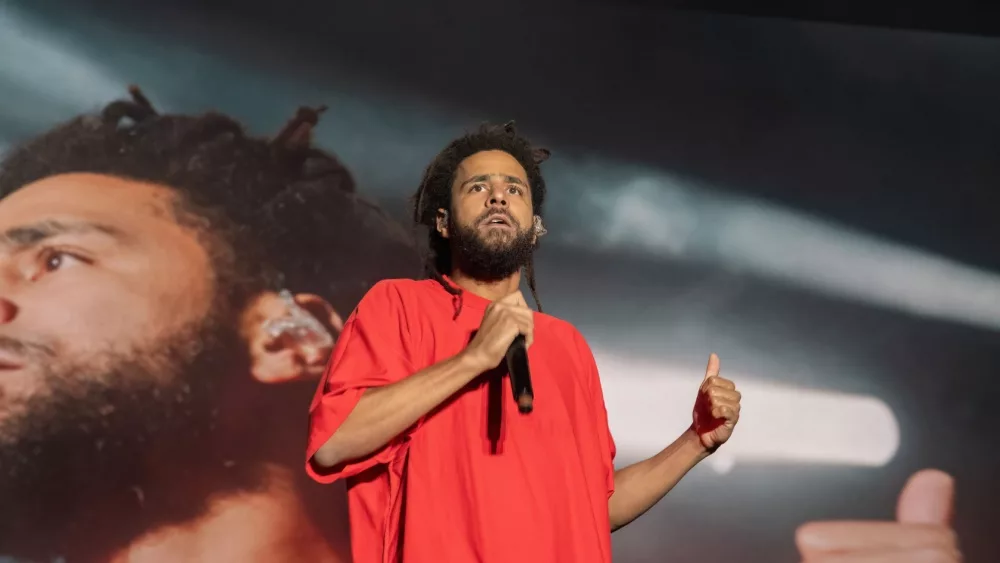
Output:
x=922 y=532
x=717 y=408
x=504 y=319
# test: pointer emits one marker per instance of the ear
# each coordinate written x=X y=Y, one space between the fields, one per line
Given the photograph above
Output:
x=289 y=337
x=442 y=222
x=539 y=229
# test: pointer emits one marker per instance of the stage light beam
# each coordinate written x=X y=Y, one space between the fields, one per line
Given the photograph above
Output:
x=648 y=404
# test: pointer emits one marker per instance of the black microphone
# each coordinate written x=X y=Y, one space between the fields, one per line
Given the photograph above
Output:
x=520 y=375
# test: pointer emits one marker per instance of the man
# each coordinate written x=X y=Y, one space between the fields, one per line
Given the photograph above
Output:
x=922 y=532
x=151 y=361
x=440 y=465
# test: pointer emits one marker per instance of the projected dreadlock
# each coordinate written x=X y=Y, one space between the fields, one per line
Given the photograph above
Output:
x=271 y=215
x=435 y=191
x=261 y=197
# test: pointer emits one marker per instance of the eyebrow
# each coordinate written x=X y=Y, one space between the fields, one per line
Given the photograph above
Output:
x=486 y=178
x=29 y=235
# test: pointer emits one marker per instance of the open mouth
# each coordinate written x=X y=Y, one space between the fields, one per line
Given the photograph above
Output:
x=498 y=220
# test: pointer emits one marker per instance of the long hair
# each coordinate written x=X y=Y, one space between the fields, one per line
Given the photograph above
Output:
x=274 y=213
x=435 y=191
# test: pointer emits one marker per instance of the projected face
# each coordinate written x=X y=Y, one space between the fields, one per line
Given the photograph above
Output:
x=491 y=225
x=93 y=267
x=115 y=362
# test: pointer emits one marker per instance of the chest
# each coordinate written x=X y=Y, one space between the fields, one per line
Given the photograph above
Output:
x=484 y=417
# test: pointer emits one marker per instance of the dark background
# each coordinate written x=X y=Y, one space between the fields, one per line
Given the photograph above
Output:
x=883 y=132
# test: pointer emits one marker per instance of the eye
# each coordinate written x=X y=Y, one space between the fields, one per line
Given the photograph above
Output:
x=514 y=189
x=477 y=187
x=53 y=259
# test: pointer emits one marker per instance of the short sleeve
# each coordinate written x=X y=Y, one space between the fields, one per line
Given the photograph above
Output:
x=372 y=351
x=607 y=441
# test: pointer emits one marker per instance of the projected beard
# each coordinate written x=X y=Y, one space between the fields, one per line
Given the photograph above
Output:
x=121 y=443
x=493 y=255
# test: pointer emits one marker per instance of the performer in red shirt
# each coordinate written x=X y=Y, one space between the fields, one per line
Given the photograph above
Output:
x=416 y=411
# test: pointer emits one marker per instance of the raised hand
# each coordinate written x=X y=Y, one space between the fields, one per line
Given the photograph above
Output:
x=922 y=532
x=717 y=408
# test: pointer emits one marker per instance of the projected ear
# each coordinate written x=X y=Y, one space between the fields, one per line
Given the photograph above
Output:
x=290 y=336
x=442 y=222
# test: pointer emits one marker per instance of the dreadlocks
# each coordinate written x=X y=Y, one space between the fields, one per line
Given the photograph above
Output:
x=273 y=213
x=435 y=191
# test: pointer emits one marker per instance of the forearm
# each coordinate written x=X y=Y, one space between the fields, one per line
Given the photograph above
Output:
x=641 y=485
x=385 y=412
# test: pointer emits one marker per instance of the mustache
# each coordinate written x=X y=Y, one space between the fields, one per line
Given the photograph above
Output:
x=25 y=348
x=498 y=211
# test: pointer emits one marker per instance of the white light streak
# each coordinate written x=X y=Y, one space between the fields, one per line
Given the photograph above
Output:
x=45 y=75
x=665 y=217
x=650 y=404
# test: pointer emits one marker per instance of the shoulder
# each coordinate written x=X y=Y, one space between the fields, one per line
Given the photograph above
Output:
x=563 y=336
x=554 y=323
x=397 y=289
x=398 y=300
x=563 y=330
x=388 y=297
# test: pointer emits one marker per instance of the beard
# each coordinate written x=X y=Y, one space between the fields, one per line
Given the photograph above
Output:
x=126 y=442
x=493 y=256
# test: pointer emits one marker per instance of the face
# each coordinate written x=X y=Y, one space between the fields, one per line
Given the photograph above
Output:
x=491 y=224
x=90 y=265
x=110 y=351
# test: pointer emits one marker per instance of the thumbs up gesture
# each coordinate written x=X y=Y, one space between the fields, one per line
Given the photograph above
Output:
x=922 y=532
x=717 y=408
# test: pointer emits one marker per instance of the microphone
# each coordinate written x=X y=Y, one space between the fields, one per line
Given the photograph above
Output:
x=520 y=375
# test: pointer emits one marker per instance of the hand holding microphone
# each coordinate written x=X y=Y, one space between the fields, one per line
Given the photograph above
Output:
x=506 y=332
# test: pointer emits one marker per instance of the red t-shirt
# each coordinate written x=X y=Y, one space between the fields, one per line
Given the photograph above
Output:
x=475 y=480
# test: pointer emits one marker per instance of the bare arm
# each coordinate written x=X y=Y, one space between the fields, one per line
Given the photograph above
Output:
x=638 y=487
x=385 y=412
x=641 y=485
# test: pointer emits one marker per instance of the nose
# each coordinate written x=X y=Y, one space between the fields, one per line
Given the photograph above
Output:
x=8 y=310
x=498 y=195
x=8 y=282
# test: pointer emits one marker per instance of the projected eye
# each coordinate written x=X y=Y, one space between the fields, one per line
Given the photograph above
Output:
x=53 y=259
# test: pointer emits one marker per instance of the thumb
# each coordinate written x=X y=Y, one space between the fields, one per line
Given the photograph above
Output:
x=713 y=366
x=927 y=498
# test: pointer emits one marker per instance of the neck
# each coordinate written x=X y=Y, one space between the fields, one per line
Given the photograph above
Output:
x=266 y=525
x=492 y=290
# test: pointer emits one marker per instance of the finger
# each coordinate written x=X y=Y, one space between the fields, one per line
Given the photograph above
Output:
x=719 y=381
x=719 y=396
x=526 y=327
x=529 y=337
x=525 y=314
x=927 y=498
x=726 y=412
x=515 y=316
x=713 y=366
x=918 y=555
x=819 y=538
x=516 y=298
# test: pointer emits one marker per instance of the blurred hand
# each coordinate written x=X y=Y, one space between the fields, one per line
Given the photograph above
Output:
x=717 y=408
x=922 y=533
